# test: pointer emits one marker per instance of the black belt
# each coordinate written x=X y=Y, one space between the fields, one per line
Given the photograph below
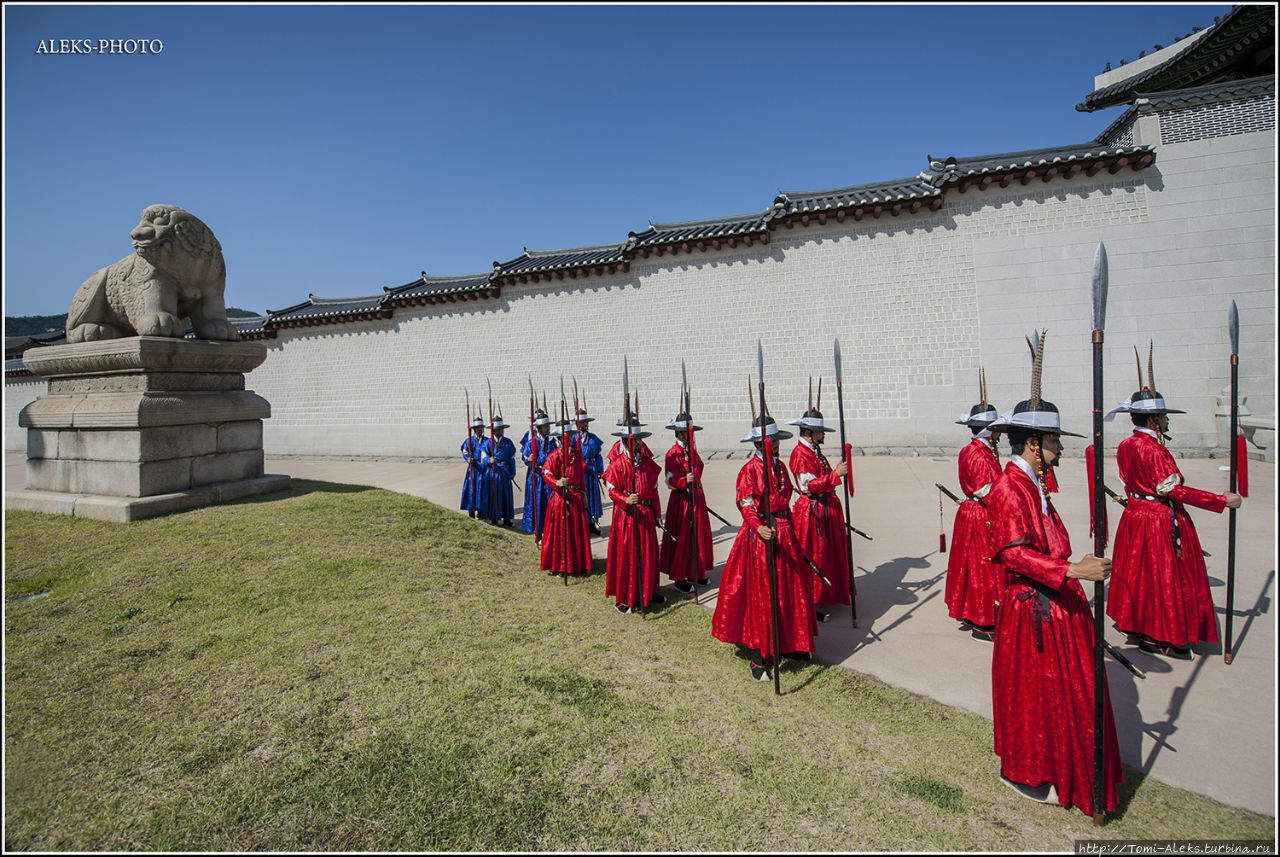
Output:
x=1173 y=518
x=1042 y=608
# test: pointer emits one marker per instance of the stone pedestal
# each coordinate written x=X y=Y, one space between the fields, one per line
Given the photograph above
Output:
x=143 y=426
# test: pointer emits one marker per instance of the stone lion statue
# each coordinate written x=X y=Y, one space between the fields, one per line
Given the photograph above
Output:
x=175 y=273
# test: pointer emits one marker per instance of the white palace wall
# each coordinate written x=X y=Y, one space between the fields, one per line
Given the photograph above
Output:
x=918 y=302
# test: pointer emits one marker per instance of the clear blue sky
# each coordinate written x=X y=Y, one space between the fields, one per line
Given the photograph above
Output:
x=335 y=150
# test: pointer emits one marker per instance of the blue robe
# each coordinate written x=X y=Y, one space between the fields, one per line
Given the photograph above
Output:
x=473 y=480
x=500 y=471
x=536 y=489
x=592 y=446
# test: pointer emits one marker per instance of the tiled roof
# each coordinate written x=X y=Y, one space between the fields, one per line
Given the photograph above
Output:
x=14 y=367
x=699 y=234
x=1225 y=91
x=791 y=203
x=18 y=344
x=573 y=262
x=325 y=310
x=1155 y=102
x=427 y=289
x=1042 y=163
x=1228 y=48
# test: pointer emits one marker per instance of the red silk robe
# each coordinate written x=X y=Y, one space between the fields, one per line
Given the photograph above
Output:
x=818 y=517
x=1042 y=669
x=1154 y=591
x=743 y=607
x=557 y=542
x=677 y=560
x=623 y=580
x=971 y=577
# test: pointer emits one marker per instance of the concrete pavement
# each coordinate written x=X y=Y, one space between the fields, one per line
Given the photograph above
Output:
x=1199 y=725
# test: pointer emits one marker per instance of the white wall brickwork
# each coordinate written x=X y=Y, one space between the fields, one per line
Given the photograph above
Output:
x=918 y=303
x=18 y=393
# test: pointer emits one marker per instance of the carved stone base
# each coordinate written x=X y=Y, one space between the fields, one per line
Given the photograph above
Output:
x=148 y=425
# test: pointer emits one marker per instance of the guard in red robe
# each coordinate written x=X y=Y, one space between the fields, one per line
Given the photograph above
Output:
x=742 y=612
x=818 y=515
x=566 y=546
x=1160 y=586
x=971 y=594
x=1042 y=670
x=680 y=560
x=632 y=476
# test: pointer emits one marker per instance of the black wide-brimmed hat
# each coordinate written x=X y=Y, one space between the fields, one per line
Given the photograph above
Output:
x=1146 y=401
x=563 y=428
x=771 y=431
x=981 y=415
x=632 y=428
x=477 y=423
x=681 y=422
x=582 y=417
x=812 y=421
x=498 y=423
x=540 y=418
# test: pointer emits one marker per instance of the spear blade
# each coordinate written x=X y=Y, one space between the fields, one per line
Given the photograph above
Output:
x=760 y=360
x=1233 y=328
x=1100 y=283
x=839 y=373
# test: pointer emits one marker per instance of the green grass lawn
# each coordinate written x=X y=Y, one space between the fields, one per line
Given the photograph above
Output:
x=340 y=668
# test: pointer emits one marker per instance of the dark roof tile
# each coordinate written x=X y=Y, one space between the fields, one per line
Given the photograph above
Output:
x=543 y=261
x=699 y=230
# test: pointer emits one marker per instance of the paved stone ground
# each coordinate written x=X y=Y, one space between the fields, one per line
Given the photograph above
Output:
x=1200 y=725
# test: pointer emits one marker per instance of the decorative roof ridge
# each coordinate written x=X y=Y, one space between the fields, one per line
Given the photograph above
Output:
x=274 y=312
x=1028 y=154
x=542 y=254
x=440 y=278
x=315 y=301
x=708 y=221
x=787 y=195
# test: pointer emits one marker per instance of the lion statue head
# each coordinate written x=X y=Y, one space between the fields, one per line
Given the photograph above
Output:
x=176 y=273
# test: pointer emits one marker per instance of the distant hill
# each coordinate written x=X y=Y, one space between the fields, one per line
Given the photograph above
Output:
x=35 y=325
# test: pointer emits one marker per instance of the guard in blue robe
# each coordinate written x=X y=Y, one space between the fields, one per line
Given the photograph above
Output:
x=499 y=471
x=474 y=500
x=536 y=490
x=593 y=466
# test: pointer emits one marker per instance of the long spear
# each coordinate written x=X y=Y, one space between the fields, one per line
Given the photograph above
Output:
x=1100 y=282
x=694 y=558
x=770 y=547
x=533 y=450
x=493 y=461
x=471 y=453
x=565 y=455
x=1233 y=329
x=844 y=455
x=638 y=587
